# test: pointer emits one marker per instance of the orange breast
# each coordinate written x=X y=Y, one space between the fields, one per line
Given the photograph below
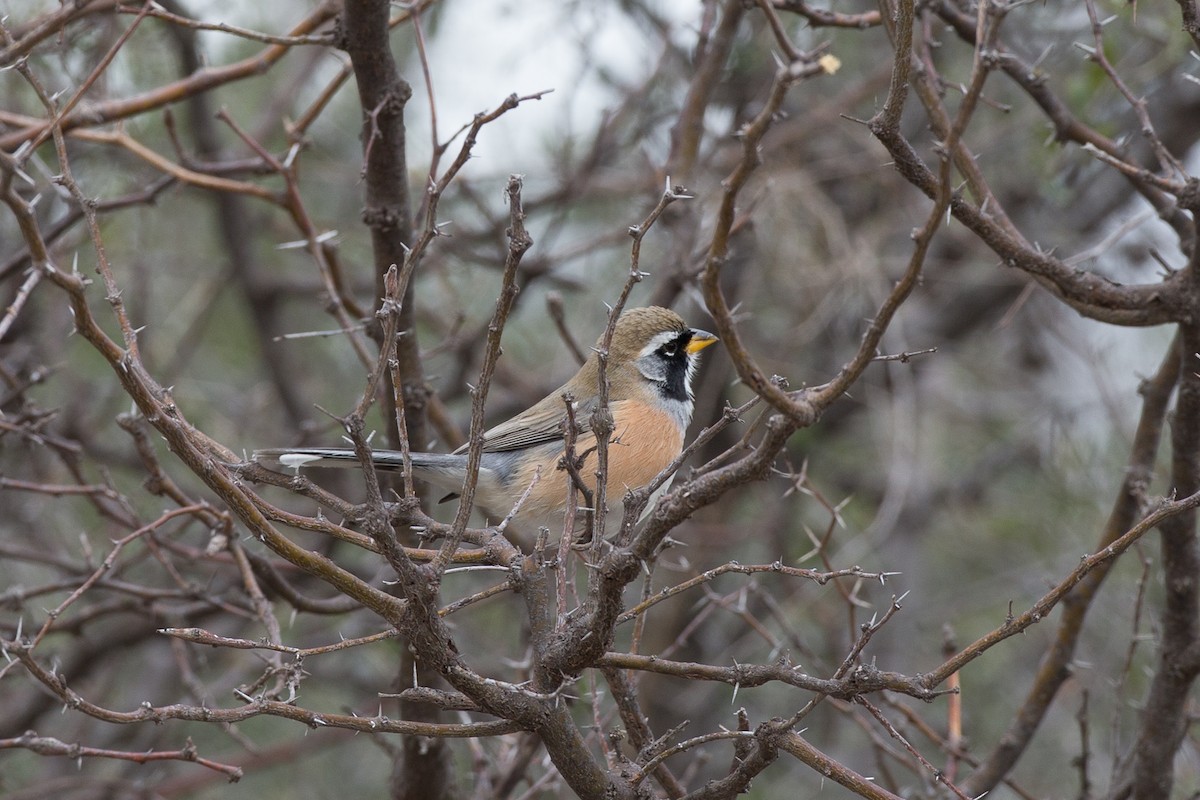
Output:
x=645 y=440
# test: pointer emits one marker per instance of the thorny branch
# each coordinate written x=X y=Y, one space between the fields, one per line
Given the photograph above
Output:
x=189 y=570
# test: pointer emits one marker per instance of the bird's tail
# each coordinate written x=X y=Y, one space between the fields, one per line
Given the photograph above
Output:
x=290 y=459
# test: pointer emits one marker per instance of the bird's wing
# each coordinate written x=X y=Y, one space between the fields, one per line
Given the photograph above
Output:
x=540 y=424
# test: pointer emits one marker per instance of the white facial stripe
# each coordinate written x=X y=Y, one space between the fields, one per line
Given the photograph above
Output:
x=658 y=341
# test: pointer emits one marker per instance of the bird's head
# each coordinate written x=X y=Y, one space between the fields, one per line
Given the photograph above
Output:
x=654 y=350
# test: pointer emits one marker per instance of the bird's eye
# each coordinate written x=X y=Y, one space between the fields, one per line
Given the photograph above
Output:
x=669 y=349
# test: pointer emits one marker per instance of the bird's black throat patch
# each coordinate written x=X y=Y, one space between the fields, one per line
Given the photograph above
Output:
x=675 y=360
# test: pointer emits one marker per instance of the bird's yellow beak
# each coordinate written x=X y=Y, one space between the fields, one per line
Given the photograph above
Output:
x=699 y=341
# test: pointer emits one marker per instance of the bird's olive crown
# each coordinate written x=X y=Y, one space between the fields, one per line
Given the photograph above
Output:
x=637 y=327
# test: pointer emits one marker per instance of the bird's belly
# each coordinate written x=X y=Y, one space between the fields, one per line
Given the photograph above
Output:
x=633 y=461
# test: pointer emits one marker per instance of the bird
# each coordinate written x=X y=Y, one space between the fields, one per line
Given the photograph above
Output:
x=652 y=361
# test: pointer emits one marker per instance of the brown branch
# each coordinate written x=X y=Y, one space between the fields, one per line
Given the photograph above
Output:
x=828 y=18
x=63 y=110
x=47 y=746
x=858 y=680
x=624 y=695
x=21 y=41
x=799 y=747
x=688 y=130
x=937 y=774
x=105 y=568
x=1165 y=720
x=202 y=80
x=1054 y=670
x=519 y=242
x=1068 y=128
x=554 y=305
x=54 y=231
x=155 y=403
x=751 y=136
x=1166 y=161
x=254 y=707
x=652 y=764
x=201 y=636
x=325 y=38
x=601 y=420
x=1087 y=293
x=383 y=94
x=777 y=567
x=1191 y=19
x=1039 y=610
